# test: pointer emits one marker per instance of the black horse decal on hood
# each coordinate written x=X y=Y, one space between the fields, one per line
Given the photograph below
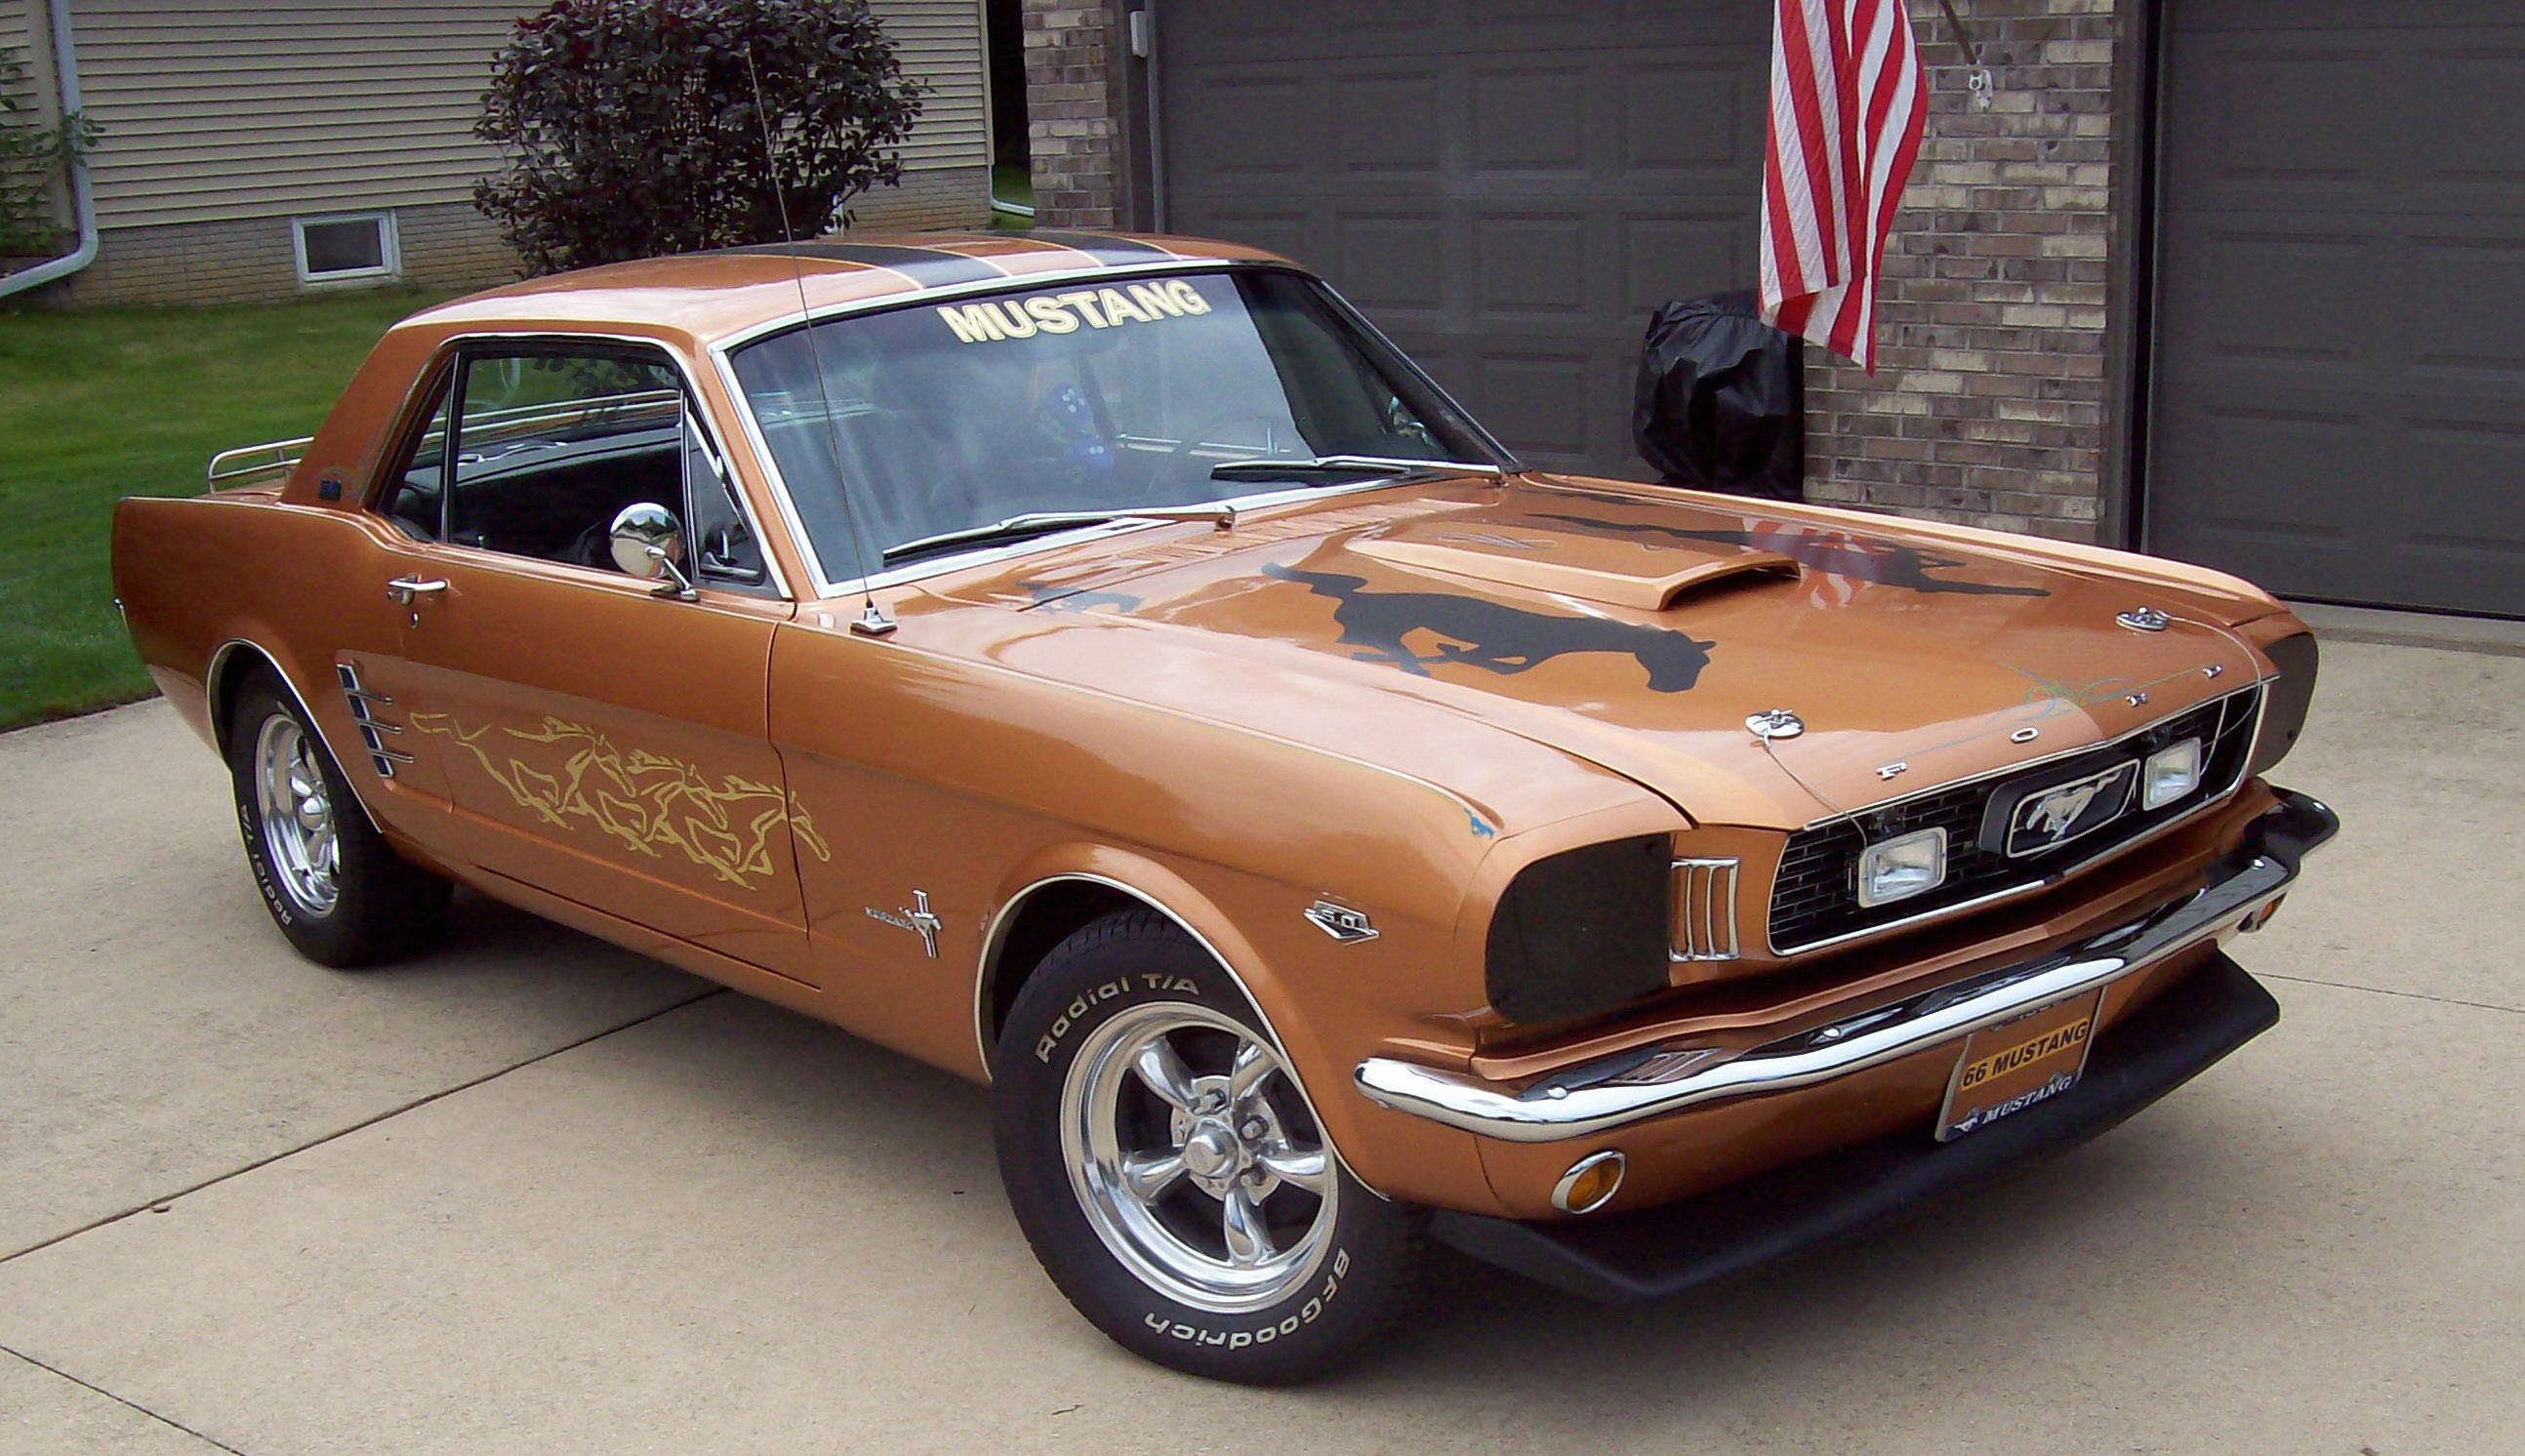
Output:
x=1494 y=636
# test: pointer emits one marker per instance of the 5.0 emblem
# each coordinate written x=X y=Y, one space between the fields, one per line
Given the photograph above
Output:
x=1341 y=922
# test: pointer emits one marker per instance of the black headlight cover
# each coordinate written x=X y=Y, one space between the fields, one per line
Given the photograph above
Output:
x=1582 y=931
x=2285 y=699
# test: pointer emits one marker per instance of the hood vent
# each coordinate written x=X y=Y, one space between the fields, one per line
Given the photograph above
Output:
x=1547 y=564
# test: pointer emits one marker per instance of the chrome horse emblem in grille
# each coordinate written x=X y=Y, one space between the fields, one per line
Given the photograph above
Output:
x=2054 y=816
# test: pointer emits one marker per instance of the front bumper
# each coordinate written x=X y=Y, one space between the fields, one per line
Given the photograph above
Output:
x=1665 y=1250
x=1609 y=1093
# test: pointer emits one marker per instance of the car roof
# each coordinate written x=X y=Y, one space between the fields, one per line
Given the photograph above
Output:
x=713 y=295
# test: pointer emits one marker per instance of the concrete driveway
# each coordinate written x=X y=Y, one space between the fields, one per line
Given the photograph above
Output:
x=535 y=1195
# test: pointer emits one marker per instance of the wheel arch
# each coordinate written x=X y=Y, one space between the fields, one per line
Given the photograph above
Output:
x=1106 y=886
x=230 y=663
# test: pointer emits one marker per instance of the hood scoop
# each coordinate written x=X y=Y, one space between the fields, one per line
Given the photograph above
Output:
x=1617 y=572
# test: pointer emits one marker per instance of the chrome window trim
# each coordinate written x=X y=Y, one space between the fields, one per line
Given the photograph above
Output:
x=714 y=432
x=2030 y=886
x=997 y=931
x=821 y=574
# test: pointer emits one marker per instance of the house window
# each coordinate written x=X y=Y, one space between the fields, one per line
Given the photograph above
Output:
x=346 y=246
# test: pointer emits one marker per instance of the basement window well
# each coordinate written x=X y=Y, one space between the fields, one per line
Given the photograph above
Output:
x=346 y=247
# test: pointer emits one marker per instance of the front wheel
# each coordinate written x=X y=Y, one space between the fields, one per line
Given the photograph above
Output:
x=1169 y=1173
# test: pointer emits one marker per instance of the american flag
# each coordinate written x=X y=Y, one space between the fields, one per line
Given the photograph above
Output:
x=1847 y=104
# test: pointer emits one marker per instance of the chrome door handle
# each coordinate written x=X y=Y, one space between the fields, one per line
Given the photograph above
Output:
x=406 y=589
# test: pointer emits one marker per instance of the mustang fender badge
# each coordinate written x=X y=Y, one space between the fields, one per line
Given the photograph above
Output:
x=1341 y=922
x=919 y=920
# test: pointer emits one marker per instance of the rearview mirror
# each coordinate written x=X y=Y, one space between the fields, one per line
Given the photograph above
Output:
x=648 y=543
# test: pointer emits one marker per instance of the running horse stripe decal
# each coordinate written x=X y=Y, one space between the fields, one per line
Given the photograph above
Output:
x=640 y=800
x=1492 y=636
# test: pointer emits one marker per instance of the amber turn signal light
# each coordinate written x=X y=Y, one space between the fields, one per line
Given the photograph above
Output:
x=1589 y=1181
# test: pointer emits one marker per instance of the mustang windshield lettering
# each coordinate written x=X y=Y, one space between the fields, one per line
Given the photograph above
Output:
x=1106 y=668
x=932 y=438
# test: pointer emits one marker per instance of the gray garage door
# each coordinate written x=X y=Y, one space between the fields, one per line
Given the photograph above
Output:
x=2340 y=390
x=1507 y=186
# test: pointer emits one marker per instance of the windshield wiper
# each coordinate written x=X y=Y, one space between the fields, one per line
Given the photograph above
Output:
x=1300 y=469
x=1045 y=522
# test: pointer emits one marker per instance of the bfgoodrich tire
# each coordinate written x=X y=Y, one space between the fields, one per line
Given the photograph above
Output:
x=1170 y=1177
x=333 y=886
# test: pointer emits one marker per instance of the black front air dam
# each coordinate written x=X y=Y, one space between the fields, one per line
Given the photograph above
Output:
x=1666 y=1250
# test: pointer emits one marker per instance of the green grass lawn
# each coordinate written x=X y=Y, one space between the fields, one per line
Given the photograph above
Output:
x=105 y=403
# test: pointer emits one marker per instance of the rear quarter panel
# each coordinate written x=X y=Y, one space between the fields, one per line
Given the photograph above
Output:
x=306 y=586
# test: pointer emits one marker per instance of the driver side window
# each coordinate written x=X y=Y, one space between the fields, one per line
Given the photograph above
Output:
x=551 y=444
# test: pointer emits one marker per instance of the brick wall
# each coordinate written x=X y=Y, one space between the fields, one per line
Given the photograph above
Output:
x=1988 y=402
x=452 y=246
x=445 y=245
x=934 y=198
x=1071 y=113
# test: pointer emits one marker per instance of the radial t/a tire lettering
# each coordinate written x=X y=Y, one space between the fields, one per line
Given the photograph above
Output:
x=1169 y=1174
x=336 y=889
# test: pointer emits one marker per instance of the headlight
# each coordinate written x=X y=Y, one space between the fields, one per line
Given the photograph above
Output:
x=1900 y=868
x=1581 y=932
x=2169 y=773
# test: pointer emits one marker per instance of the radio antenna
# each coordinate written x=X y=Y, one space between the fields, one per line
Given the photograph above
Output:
x=872 y=623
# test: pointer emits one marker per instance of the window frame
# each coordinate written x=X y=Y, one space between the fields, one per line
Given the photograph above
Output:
x=389 y=248
x=446 y=370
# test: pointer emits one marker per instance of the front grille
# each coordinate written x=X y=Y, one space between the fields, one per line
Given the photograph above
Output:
x=1816 y=896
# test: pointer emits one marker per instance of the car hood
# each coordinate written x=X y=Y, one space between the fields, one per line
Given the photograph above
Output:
x=1636 y=629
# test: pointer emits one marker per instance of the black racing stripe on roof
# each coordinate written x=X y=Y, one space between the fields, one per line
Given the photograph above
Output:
x=930 y=267
x=1105 y=248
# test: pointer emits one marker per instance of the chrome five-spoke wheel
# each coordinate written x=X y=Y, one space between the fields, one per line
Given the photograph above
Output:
x=1194 y=1160
x=296 y=812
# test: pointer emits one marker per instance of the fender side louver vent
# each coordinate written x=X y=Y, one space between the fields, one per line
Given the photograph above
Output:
x=372 y=729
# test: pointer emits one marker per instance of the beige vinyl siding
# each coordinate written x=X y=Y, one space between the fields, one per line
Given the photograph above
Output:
x=22 y=29
x=215 y=110
x=940 y=42
x=224 y=111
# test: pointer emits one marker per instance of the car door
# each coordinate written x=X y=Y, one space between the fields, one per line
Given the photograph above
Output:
x=601 y=735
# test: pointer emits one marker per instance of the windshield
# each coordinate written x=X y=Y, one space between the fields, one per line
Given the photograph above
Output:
x=1077 y=397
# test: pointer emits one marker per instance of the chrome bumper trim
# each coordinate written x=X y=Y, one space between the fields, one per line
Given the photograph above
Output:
x=1609 y=1093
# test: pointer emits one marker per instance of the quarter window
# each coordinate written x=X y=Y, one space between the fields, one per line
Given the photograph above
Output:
x=415 y=500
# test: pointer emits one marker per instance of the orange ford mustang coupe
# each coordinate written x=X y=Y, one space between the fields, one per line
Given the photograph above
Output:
x=1107 y=668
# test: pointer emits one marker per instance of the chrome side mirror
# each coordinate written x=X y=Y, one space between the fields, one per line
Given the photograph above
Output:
x=648 y=543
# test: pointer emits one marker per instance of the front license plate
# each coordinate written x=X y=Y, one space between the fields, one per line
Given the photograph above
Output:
x=2014 y=1065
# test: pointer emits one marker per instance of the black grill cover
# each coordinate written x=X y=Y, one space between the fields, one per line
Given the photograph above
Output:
x=1721 y=401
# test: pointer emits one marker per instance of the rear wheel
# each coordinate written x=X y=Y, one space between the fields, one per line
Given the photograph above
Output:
x=1170 y=1177
x=333 y=884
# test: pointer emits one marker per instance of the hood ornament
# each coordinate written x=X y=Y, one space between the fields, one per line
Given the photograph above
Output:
x=2143 y=619
x=1774 y=723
